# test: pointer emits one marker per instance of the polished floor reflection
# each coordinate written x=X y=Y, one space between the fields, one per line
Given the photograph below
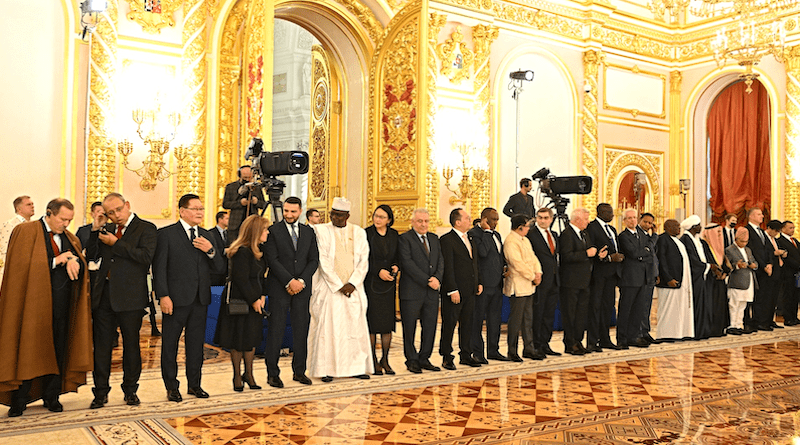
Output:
x=745 y=395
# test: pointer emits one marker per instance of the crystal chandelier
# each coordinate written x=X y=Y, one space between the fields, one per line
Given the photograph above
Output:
x=668 y=8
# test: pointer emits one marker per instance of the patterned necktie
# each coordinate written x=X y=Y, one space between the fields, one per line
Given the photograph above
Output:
x=551 y=243
x=793 y=243
x=56 y=250
x=191 y=234
x=119 y=231
x=294 y=236
x=611 y=237
x=425 y=245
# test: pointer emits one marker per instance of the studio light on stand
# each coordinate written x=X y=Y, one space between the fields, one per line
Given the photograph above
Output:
x=517 y=78
x=90 y=14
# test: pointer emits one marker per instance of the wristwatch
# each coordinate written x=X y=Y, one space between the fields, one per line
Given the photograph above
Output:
x=210 y=251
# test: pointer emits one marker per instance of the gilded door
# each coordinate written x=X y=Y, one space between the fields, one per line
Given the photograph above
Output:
x=324 y=143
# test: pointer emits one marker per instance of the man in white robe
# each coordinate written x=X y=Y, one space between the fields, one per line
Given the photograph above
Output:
x=338 y=335
x=675 y=315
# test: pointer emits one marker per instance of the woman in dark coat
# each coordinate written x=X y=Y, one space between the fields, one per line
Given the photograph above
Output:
x=242 y=333
x=380 y=283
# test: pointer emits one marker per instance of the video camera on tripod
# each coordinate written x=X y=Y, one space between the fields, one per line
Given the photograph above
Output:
x=267 y=166
x=552 y=187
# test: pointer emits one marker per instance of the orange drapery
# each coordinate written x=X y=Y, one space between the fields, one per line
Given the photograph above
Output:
x=739 y=171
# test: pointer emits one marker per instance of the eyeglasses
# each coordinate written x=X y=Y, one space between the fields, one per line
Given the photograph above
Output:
x=196 y=209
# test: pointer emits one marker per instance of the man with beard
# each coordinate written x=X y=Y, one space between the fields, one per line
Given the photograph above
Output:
x=243 y=198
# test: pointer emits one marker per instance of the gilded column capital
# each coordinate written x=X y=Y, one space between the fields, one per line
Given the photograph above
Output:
x=792 y=59
x=675 y=79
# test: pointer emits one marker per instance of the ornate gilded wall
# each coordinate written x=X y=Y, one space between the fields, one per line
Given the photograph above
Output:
x=791 y=197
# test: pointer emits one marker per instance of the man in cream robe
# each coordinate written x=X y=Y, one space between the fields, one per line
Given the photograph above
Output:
x=675 y=313
x=338 y=335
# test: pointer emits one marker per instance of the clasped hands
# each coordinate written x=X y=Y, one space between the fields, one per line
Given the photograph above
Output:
x=73 y=267
x=385 y=275
x=347 y=289
x=295 y=287
x=253 y=200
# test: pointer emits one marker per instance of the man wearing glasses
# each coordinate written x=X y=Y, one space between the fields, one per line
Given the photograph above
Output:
x=184 y=261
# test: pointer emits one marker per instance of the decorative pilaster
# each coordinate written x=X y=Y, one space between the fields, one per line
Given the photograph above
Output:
x=258 y=63
x=676 y=155
x=592 y=60
x=791 y=194
x=101 y=155
x=482 y=37
x=435 y=25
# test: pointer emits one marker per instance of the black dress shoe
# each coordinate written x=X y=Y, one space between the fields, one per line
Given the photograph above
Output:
x=640 y=343
x=593 y=348
x=275 y=381
x=16 y=411
x=774 y=325
x=414 y=368
x=535 y=355
x=197 y=392
x=155 y=333
x=514 y=358
x=173 y=395
x=302 y=379
x=791 y=322
x=762 y=327
x=327 y=379
x=428 y=366
x=734 y=331
x=749 y=330
x=469 y=362
x=623 y=346
x=132 y=399
x=609 y=345
x=499 y=358
x=481 y=360
x=361 y=376
x=99 y=402
x=549 y=351
x=576 y=350
x=53 y=405
x=650 y=339
x=448 y=364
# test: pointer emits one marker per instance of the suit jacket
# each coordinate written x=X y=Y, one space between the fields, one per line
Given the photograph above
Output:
x=89 y=242
x=598 y=237
x=460 y=269
x=548 y=261
x=232 y=201
x=519 y=204
x=638 y=257
x=182 y=272
x=652 y=269
x=492 y=262
x=740 y=278
x=791 y=264
x=418 y=267
x=286 y=263
x=759 y=248
x=576 y=266
x=126 y=265
x=726 y=235
x=218 y=279
x=670 y=261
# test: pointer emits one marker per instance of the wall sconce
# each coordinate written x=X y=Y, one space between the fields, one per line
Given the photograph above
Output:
x=471 y=177
x=462 y=141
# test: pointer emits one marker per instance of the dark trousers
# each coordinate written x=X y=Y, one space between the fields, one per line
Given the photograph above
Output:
x=764 y=301
x=632 y=304
x=425 y=310
x=104 y=331
x=192 y=320
x=488 y=306
x=790 y=297
x=601 y=305
x=544 y=314
x=520 y=321
x=644 y=317
x=460 y=314
x=297 y=306
x=574 y=305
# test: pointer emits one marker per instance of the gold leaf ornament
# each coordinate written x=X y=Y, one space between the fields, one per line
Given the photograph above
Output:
x=456 y=57
x=152 y=15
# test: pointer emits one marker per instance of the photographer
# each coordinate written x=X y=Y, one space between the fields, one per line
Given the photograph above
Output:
x=243 y=198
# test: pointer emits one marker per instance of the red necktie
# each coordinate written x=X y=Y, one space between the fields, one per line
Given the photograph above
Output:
x=56 y=251
x=793 y=243
x=550 y=243
x=119 y=231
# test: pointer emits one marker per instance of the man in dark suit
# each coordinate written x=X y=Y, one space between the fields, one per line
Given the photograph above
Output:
x=462 y=282
x=422 y=268
x=605 y=274
x=763 y=306
x=646 y=224
x=778 y=256
x=219 y=235
x=184 y=260
x=545 y=246
x=729 y=229
x=293 y=257
x=520 y=202
x=489 y=304
x=791 y=266
x=576 y=252
x=635 y=245
x=98 y=221
x=119 y=295
x=243 y=198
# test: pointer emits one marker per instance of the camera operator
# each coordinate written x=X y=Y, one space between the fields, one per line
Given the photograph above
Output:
x=243 y=198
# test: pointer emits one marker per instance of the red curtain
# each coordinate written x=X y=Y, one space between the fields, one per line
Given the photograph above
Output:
x=738 y=133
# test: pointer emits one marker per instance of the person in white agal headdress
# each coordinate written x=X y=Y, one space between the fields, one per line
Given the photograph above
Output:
x=338 y=335
x=702 y=280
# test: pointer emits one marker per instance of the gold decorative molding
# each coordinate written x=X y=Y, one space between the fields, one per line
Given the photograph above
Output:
x=319 y=141
x=618 y=158
x=152 y=15
x=436 y=22
x=635 y=43
x=676 y=153
x=539 y=19
x=482 y=38
x=635 y=70
x=456 y=57
x=254 y=71
x=791 y=194
x=366 y=17
x=476 y=5
x=590 y=156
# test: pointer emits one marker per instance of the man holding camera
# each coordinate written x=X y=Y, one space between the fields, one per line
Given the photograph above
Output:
x=243 y=198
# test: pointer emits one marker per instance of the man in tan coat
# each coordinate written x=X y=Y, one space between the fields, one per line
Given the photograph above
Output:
x=45 y=313
x=524 y=274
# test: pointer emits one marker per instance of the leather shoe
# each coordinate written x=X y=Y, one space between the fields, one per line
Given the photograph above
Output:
x=499 y=358
x=749 y=330
x=99 y=401
x=197 y=392
x=640 y=343
x=481 y=360
x=593 y=348
x=302 y=379
x=649 y=338
x=535 y=355
x=173 y=395
x=132 y=399
x=514 y=358
x=428 y=366
x=762 y=327
x=15 y=410
x=361 y=376
x=575 y=350
x=775 y=326
x=275 y=381
x=791 y=323
x=448 y=364
x=623 y=346
x=53 y=405
x=608 y=345
x=414 y=368
x=734 y=331
x=327 y=379
x=469 y=362
x=549 y=351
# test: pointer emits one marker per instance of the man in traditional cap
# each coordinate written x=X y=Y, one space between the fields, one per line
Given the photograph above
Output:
x=338 y=335
x=696 y=248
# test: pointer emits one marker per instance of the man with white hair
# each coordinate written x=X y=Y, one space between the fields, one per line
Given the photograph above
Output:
x=338 y=335
x=635 y=245
x=702 y=281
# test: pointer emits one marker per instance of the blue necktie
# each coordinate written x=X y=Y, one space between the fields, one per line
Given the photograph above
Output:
x=294 y=236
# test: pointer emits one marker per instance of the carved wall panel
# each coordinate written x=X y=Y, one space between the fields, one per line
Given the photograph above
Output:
x=791 y=194
x=154 y=14
x=435 y=23
x=320 y=125
x=254 y=71
x=456 y=57
x=590 y=158
x=482 y=38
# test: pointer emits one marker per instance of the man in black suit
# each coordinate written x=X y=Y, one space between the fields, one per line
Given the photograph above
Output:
x=422 y=268
x=119 y=295
x=605 y=274
x=184 y=261
x=219 y=235
x=489 y=304
x=763 y=306
x=576 y=253
x=520 y=202
x=646 y=224
x=791 y=266
x=98 y=221
x=729 y=230
x=635 y=245
x=462 y=282
x=778 y=256
x=545 y=246
x=293 y=257
x=243 y=198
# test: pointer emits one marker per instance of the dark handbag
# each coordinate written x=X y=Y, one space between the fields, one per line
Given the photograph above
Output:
x=236 y=306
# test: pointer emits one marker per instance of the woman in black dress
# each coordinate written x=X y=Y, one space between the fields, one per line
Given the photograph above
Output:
x=242 y=333
x=380 y=283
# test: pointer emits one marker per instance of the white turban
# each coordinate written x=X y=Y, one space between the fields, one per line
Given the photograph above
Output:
x=341 y=204
x=690 y=222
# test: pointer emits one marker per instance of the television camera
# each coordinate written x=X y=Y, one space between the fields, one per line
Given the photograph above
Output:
x=553 y=187
x=267 y=166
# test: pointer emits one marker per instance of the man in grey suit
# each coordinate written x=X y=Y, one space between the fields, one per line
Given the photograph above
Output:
x=422 y=269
